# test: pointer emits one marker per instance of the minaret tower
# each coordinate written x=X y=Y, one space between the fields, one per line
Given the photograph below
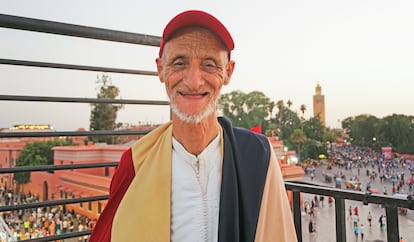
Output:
x=319 y=104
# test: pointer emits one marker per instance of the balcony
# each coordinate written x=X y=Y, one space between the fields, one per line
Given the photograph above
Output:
x=299 y=189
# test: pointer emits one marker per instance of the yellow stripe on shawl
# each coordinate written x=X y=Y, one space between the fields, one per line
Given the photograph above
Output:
x=144 y=212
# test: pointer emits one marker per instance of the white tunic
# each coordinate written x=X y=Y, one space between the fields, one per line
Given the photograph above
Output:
x=195 y=193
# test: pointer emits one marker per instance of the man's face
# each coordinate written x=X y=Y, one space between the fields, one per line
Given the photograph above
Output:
x=194 y=67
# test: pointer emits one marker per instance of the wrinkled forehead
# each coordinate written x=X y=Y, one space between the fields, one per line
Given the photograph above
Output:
x=193 y=37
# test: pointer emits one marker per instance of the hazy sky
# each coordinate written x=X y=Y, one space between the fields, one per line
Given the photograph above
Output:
x=360 y=51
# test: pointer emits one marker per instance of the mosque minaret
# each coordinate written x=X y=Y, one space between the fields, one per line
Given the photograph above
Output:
x=319 y=104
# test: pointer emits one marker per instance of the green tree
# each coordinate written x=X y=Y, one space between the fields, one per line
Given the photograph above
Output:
x=395 y=130
x=103 y=115
x=313 y=128
x=271 y=130
x=346 y=124
x=363 y=129
x=246 y=110
x=329 y=136
x=312 y=149
x=298 y=137
x=289 y=121
x=35 y=154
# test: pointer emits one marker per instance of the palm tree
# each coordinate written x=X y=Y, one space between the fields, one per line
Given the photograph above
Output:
x=298 y=137
x=280 y=105
x=271 y=107
x=289 y=103
x=303 y=109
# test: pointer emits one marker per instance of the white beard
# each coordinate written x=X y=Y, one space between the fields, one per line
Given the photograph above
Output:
x=193 y=118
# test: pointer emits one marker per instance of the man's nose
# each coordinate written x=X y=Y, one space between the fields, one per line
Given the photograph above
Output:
x=193 y=76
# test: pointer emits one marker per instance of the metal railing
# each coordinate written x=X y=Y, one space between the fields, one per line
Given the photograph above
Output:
x=52 y=203
x=298 y=188
x=37 y=25
x=391 y=206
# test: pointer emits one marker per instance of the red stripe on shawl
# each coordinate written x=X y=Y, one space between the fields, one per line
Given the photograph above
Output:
x=119 y=185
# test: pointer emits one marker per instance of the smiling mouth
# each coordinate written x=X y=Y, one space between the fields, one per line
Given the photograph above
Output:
x=189 y=94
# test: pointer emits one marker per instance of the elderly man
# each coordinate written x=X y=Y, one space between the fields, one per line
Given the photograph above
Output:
x=197 y=178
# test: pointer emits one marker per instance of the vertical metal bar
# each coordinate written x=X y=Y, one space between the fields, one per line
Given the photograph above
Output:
x=340 y=220
x=393 y=233
x=297 y=216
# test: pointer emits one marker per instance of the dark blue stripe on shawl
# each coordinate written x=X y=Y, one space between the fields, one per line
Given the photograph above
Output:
x=245 y=165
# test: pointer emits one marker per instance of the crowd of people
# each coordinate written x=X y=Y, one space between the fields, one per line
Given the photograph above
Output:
x=42 y=221
x=372 y=172
x=397 y=171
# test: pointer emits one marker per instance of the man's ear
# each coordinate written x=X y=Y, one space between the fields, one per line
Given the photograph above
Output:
x=229 y=71
x=159 y=69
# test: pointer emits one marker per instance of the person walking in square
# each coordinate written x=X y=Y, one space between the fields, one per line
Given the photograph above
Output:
x=369 y=217
x=362 y=231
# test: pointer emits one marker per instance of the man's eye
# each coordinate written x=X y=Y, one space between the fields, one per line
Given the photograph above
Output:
x=209 y=67
x=178 y=63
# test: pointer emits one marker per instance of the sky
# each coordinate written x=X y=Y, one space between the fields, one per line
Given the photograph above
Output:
x=360 y=51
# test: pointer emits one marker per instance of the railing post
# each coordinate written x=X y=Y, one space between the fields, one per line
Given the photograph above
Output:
x=340 y=220
x=393 y=234
x=297 y=215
